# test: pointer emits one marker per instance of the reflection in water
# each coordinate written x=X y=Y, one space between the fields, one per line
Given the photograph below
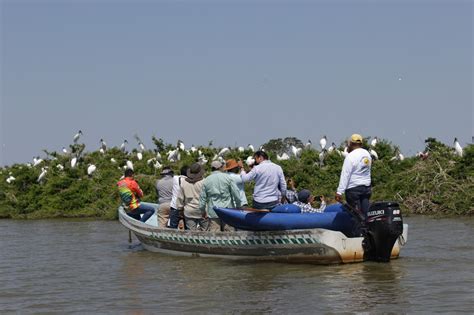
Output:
x=90 y=268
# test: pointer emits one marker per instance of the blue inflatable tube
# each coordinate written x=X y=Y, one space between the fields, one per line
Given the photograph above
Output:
x=333 y=218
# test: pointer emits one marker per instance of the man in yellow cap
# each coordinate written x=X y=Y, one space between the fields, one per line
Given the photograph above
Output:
x=355 y=181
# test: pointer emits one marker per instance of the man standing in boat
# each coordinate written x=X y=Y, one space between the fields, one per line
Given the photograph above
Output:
x=130 y=193
x=270 y=184
x=219 y=190
x=355 y=180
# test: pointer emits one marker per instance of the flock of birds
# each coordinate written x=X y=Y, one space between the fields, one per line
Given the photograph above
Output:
x=174 y=155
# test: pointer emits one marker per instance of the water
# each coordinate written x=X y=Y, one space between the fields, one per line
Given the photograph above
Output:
x=88 y=267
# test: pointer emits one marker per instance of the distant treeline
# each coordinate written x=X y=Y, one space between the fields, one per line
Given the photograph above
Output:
x=436 y=181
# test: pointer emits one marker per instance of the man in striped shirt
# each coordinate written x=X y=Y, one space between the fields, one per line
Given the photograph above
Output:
x=305 y=198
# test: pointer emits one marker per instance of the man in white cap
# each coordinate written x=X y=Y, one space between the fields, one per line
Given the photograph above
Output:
x=355 y=180
x=219 y=190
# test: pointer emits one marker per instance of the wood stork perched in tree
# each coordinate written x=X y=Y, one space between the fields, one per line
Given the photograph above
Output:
x=113 y=160
x=283 y=157
x=224 y=151
x=322 y=156
x=374 y=141
x=250 y=147
x=374 y=154
x=123 y=146
x=103 y=146
x=173 y=155
x=296 y=151
x=65 y=150
x=91 y=169
x=74 y=162
x=10 y=179
x=308 y=144
x=250 y=161
x=181 y=145
x=42 y=175
x=37 y=161
x=193 y=148
x=139 y=156
x=332 y=147
x=457 y=147
x=241 y=149
x=60 y=167
x=323 y=142
x=129 y=164
x=77 y=136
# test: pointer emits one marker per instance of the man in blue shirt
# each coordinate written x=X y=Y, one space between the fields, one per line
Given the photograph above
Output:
x=270 y=184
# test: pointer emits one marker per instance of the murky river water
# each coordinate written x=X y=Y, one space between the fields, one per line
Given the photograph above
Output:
x=88 y=267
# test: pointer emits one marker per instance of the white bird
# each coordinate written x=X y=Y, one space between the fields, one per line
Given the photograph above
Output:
x=60 y=167
x=457 y=147
x=373 y=143
x=173 y=155
x=323 y=142
x=223 y=152
x=129 y=165
x=142 y=146
x=76 y=136
x=345 y=152
x=91 y=169
x=28 y=165
x=250 y=161
x=296 y=151
x=42 y=175
x=308 y=144
x=283 y=157
x=423 y=155
x=113 y=160
x=37 y=161
x=139 y=156
x=158 y=155
x=202 y=159
x=322 y=156
x=157 y=165
x=103 y=146
x=241 y=149
x=73 y=162
x=123 y=146
x=193 y=148
x=181 y=145
x=374 y=154
x=10 y=179
x=250 y=147
x=65 y=150
x=332 y=147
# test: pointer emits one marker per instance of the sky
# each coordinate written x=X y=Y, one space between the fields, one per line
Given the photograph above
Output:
x=234 y=72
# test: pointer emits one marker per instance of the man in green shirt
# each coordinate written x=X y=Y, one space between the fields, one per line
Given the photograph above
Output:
x=219 y=190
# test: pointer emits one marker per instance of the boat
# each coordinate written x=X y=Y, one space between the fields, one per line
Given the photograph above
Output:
x=315 y=245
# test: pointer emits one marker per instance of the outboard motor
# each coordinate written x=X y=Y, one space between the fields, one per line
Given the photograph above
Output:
x=384 y=225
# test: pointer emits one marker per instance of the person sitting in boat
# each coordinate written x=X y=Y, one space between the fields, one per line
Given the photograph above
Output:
x=233 y=169
x=291 y=194
x=188 y=198
x=130 y=193
x=305 y=199
x=219 y=190
x=270 y=184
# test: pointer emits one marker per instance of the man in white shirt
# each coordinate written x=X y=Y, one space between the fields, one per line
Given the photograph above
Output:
x=270 y=184
x=355 y=181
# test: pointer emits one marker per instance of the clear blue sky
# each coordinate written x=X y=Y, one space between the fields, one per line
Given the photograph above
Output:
x=236 y=72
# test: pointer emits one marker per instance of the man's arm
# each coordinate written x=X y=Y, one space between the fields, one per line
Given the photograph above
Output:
x=247 y=177
x=282 y=185
x=203 y=201
x=344 y=179
x=234 y=191
x=136 y=189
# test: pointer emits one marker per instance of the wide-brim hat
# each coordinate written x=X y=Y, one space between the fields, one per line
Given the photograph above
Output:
x=195 y=171
x=231 y=164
